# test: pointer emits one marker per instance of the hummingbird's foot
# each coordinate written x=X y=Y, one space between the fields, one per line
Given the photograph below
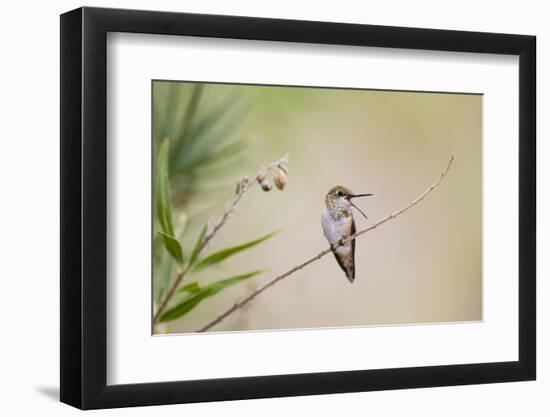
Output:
x=340 y=243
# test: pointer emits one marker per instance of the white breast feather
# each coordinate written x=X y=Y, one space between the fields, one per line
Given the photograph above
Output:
x=333 y=228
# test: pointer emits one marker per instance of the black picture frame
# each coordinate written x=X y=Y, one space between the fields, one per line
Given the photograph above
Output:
x=84 y=207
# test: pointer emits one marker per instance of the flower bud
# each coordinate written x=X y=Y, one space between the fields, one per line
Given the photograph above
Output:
x=261 y=175
x=283 y=167
x=266 y=185
x=280 y=178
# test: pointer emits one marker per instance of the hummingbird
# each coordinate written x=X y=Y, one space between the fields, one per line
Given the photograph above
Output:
x=338 y=224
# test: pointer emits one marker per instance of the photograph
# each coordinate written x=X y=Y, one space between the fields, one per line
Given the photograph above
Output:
x=264 y=194
x=251 y=181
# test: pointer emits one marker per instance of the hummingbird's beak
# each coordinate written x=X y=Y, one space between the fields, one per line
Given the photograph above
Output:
x=360 y=211
x=359 y=195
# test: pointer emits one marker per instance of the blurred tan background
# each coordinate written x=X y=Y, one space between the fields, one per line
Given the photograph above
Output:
x=423 y=267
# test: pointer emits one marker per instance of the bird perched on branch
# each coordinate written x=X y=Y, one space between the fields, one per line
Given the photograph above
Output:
x=338 y=224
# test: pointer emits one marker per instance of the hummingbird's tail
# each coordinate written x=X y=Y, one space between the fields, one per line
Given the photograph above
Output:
x=345 y=259
x=351 y=275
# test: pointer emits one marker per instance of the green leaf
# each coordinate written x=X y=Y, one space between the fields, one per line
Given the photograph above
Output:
x=182 y=308
x=212 y=117
x=222 y=255
x=187 y=121
x=164 y=204
x=165 y=274
x=194 y=298
x=227 y=282
x=198 y=244
x=212 y=155
x=192 y=287
x=162 y=192
x=173 y=247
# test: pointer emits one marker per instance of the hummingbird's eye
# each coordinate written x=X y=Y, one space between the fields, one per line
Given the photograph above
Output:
x=340 y=194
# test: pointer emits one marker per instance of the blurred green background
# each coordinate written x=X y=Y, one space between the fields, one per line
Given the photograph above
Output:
x=424 y=267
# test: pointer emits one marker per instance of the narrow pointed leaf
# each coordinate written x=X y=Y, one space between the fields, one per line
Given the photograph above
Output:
x=187 y=121
x=165 y=273
x=227 y=282
x=218 y=154
x=211 y=119
x=162 y=191
x=194 y=298
x=222 y=255
x=192 y=287
x=198 y=244
x=173 y=247
x=182 y=308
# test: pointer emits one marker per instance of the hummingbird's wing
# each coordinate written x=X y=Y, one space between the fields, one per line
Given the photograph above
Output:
x=353 y=230
x=345 y=255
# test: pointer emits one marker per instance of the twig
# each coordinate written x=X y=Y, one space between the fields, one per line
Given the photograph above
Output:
x=275 y=280
x=243 y=186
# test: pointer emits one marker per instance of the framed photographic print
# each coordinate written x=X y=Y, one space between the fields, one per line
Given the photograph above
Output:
x=258 y=207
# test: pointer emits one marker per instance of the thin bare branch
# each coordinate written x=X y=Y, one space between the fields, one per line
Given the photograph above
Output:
x=279 y=278
x=242 y=187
